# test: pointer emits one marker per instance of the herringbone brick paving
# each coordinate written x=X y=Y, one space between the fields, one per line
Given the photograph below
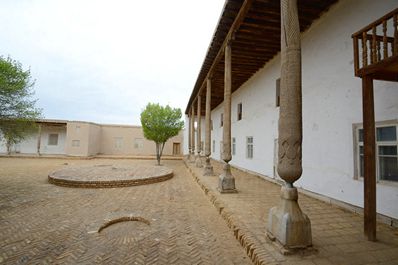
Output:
x=337 y=233
x=41 y=223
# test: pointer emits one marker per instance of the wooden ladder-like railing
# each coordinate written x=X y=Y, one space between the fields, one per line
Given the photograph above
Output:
x=376 y=42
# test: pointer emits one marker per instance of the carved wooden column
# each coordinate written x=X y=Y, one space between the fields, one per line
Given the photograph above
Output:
x=192 y=155
x=208 y=167
x=226 y=183
x=286 y=222
x=199 y=134
x=39 y=140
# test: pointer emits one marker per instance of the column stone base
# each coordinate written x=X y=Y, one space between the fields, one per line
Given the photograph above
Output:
x=287 y=223
x=198 y=161
x=191 y=158
x=208 y=171
x=226 y=182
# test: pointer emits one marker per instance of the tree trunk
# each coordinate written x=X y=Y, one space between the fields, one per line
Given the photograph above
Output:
x=8 y=144
x=158 y=153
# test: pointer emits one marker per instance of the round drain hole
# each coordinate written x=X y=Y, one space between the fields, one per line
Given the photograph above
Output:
x=124 y=219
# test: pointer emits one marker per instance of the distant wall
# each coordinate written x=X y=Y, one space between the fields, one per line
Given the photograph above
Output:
x=77 y=135
x=76 y=138
x=94 y=139
x=130 y=140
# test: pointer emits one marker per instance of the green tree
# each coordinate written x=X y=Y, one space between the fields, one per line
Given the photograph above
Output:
x=17 y=108
x=160 y=124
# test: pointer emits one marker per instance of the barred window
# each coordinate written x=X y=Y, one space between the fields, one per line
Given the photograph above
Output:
x=249 y=147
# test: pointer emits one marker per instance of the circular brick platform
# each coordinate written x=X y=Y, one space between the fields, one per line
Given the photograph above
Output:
x=108 y=176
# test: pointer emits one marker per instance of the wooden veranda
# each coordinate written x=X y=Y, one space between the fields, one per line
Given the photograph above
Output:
x=375 y=58
x=253 y=29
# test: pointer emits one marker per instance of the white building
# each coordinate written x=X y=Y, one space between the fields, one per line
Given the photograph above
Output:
x=332 y=148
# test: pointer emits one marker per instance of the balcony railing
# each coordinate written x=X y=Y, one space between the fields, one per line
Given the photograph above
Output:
x=376 y=44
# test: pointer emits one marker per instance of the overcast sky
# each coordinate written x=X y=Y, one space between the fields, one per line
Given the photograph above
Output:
x=104 y=60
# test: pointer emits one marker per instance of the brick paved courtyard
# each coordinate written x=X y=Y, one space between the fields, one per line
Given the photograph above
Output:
x=47 y=224
x=337 y=234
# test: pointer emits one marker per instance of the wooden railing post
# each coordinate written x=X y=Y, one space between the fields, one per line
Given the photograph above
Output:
x=364 y=50
x=374 y=46
x=385 y=47
x=356 y=55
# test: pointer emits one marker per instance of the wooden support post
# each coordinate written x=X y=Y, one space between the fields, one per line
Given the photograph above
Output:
x=226 y=154
x=369 y=158
x=208 y=167
x=199 y=133
x=226 y=182
x=287 y=224
x=189 y=136
x=192 y=160
x=39 y=140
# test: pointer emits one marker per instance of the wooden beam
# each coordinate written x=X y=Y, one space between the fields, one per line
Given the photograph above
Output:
x=235 y=25
x=369 y=158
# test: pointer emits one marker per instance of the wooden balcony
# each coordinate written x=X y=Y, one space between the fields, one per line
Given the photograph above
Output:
x=376 y=49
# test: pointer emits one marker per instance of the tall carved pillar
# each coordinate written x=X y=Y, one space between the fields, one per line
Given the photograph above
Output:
x=208 y=167
x=199 y=134
x=192 y=155
x=226 y=183
x=286 y=222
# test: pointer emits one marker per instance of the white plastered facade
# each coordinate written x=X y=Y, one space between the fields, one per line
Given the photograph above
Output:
x=332 y=105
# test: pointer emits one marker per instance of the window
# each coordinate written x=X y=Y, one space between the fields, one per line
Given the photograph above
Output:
x=201 y=146
x=75 y=143
x=118 y=142
x=138 y=143
x=222 y=120
x=239 y=111
x=233 y=146
x=77 y=128
x=214 y=146
x=211 y=125
x=221 y=149
x=249 y=147
x=53 y=139
x=386 y=153
x=277 y=92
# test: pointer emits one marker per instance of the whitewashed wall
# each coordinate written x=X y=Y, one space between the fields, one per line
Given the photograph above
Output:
x=29 y=145
x=45 y=148
x=331 y=105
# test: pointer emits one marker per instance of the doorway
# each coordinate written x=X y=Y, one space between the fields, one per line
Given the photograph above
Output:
x=176 y=149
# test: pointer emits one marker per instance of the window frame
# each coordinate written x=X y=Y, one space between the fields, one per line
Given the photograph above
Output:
x=278 y=92
x=118 y=143
x=75 y=143
x=358 y=144
x=239 y=111
x=248 y=149
x=233 y=146
x=49 y=142
x=138 y=143
x=222 y=120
